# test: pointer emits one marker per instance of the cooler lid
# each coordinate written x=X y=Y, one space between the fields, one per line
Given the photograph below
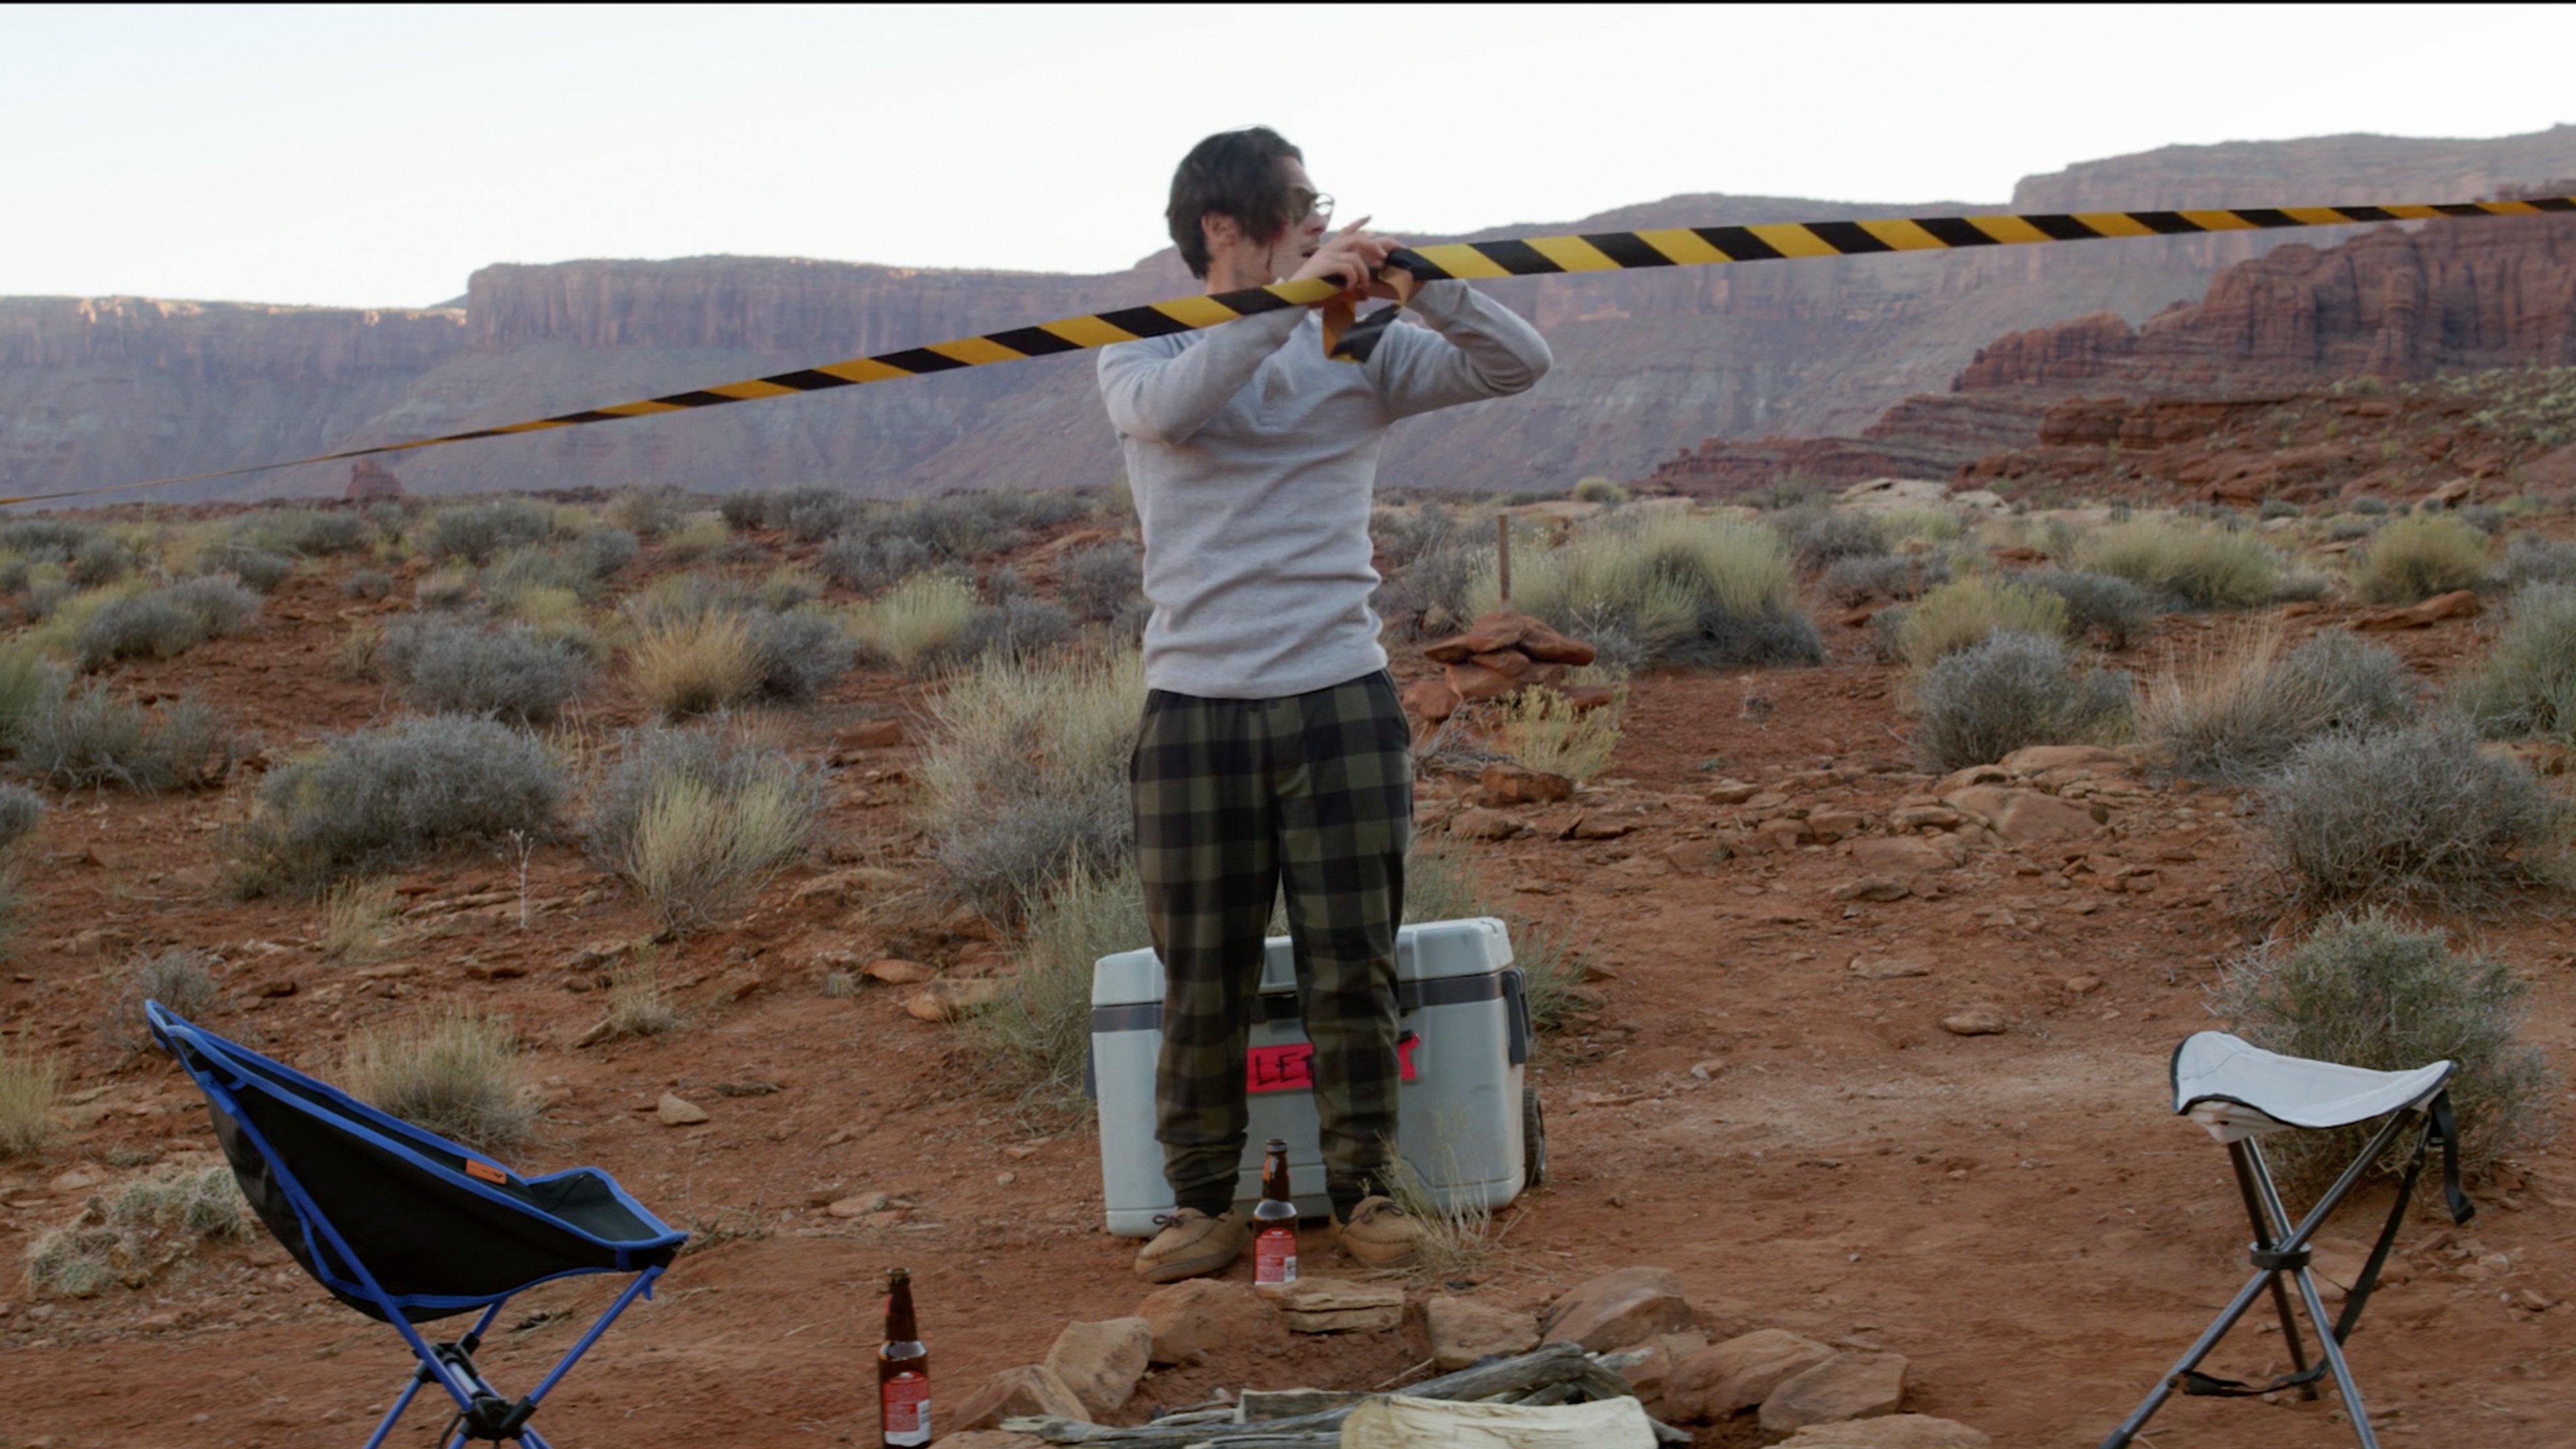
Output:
x=1429 y=950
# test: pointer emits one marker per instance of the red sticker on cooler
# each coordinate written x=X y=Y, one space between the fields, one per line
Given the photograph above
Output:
x=1283 y=1068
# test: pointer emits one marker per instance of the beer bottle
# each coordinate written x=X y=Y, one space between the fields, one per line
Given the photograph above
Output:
x=903 y=1370
x=1274 y=1221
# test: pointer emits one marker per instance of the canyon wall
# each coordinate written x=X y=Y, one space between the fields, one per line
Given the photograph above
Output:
x=96 y=392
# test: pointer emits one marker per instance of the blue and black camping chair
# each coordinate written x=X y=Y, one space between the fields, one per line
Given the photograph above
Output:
x=407 y=1227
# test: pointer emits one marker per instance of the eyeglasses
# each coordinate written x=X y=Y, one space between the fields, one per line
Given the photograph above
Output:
x=1303 y=204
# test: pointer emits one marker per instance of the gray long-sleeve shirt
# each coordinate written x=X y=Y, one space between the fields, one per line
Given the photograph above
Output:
x=1252 y=457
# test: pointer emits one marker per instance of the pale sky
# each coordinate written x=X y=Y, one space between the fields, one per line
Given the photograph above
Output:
x=375 y=157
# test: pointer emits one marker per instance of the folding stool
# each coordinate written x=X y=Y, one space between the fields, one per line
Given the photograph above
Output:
x=408 y=1227
x=2239 y=1092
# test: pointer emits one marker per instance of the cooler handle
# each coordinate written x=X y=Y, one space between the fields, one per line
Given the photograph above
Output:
x=1516 y=999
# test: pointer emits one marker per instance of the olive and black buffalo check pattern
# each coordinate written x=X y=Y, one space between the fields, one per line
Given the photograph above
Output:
x=1234 y=798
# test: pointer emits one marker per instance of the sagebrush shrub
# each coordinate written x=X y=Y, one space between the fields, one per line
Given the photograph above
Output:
x=2010 y=691
x=367 y=584
x=47 y=540
x=649 y=511
x=456 y=1074
x=699 y=823
x=28 y=683
x=181 y=979
x=86 y=738
x=1964 y=613
x=2203 y=566
x=700 y=536
x=2113 y=611
x=963 y=527
x=2239 y=711
x=1426 y=594
x=1035 y=1038
x=1686 y=590
x=1024 y=774
x=163 y=623
x=1401 y=535
x=255 y=567
x=867 y=563
x=2527 y=686
x=101 y=560
x=813 y=514
x=800 y=654
x=2366 y=991
x=2414 y=558
x=1099 y=584
x=1597 y=489
x=749 y=508
x=1854 y=581
x=788 y=587
x=1818 y=537
x=1018 y=627
x=2418 y=815
x=303 y=532
x=2529 y=560
x=381 y=798
x=21 y=811
x=478 y=533
x=511 y=674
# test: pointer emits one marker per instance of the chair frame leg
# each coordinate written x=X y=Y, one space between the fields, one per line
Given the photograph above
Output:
x=2272 y=1226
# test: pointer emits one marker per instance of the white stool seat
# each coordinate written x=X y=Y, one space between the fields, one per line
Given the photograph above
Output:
x=2236 y=1089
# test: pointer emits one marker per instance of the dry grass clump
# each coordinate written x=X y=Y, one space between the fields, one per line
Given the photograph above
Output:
x=1541 y=730
x=1024 y=774
x=800 y=653
x=2233 y=713
x=2204 y=567
x=701 y=535
x=1819 y=536
x=28 y=1087
x=639 y=1004
x=1454 y=1239
x=2367 y=992
x=1104 y=584
x=1598 y=489
x=456 y=1074
x=21 y=811
x=2415 y=815
x=2416 y=557
x=1035 y=1037
x=916 y=624
x=1667 y=591
x=1966 y=612
x=513 y=674
x=2011 y=691
x=2527 y=686
x=698 y=823
x=86 y=739
x=385 y=797
x=144 y=1230
x=355 y=918
x=695 y=664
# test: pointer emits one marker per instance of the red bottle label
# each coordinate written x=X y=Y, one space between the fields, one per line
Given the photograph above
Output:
x=1274 y=1256
x=906 y=1406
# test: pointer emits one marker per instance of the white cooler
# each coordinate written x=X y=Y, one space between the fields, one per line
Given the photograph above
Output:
x=1465 y=1121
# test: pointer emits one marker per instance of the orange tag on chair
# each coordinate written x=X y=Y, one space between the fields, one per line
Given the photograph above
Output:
x=485 y=1172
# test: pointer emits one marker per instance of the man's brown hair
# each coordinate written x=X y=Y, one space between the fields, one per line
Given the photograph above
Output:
x=1235 y=174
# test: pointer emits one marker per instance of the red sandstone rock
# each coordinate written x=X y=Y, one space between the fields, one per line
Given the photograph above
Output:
x=1429 y=700
x=370 y=480
x=2458 y=604
x=1474 y=683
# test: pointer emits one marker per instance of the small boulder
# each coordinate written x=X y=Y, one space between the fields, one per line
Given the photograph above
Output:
x=678 y=1111
x=1618 y=1310
x=949 y=1000
x=1479 y=823
x=1505 y=783
x=2041 y=759
x=1974 y=1021
x=1886 y=968
x=1895 y=1431
x=1902 y=855
x=1872 y=888
x=1730 y=1377
x=1511 y=663
x=1463 y=1330
x=859 y=1206
x=1197 y=1315
x=896 y=972
x=2458 y=604
x=2030 y=817
x=1547 y=646
x=1846 y=1386
x=1102 y=1362
x=1031 y=1391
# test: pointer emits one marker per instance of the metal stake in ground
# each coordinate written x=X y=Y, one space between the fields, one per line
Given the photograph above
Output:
x=1503 y=556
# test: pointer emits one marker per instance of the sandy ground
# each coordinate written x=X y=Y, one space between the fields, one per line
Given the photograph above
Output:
x=2018 y=1214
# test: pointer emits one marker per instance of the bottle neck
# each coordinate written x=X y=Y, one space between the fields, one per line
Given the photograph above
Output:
x=900 y=1327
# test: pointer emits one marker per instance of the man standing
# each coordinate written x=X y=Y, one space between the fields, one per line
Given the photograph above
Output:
x=1272 y=747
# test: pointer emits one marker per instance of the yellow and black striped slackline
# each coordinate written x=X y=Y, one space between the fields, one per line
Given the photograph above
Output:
x=1351 y=339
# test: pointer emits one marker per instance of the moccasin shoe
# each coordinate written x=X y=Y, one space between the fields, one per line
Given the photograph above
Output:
x=1192 y=1245
x=1378 y=1234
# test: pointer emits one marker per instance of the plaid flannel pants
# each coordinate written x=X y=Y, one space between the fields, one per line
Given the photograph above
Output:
x=1233 y=797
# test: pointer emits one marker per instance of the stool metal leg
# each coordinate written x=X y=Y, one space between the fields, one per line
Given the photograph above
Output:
x=2265 y=1240
x=2271 y=1225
